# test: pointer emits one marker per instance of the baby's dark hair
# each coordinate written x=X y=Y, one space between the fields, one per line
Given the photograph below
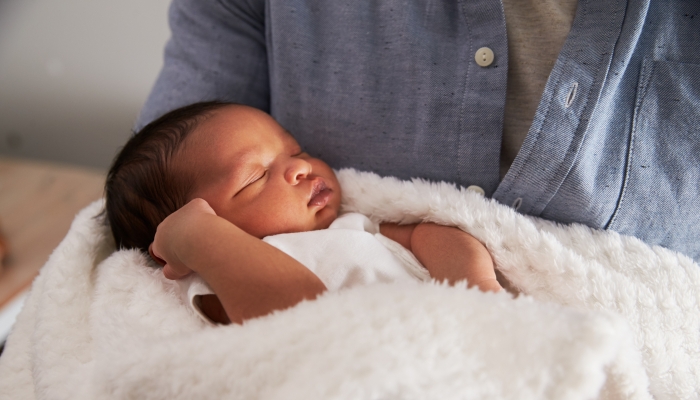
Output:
x=142 y=186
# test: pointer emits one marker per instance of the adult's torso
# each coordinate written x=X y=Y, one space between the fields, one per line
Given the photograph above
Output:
x=394 y=87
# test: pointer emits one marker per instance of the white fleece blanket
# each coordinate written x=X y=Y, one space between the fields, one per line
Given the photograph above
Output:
x=601 y=316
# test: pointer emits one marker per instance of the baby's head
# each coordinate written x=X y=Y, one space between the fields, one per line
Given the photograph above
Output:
x=246 y=166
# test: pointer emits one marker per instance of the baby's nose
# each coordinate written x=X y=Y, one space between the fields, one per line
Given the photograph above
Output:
x=297 y=170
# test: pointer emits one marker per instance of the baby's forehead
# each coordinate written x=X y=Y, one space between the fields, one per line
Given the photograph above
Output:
x=238 y=136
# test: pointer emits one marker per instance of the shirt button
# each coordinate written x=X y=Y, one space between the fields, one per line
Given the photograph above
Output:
x=484 y=56
x=476 y=189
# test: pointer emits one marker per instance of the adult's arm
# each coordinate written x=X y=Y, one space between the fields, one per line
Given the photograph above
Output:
x=216 y=52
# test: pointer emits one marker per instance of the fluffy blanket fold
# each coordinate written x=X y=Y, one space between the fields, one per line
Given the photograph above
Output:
x=601 y=316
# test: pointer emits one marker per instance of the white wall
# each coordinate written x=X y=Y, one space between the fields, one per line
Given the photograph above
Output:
x=74 y=75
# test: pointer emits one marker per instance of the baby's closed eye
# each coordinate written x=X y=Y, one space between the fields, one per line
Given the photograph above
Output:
x=255 y=179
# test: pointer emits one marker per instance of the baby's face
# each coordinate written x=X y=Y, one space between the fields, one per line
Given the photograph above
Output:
x=253 y=173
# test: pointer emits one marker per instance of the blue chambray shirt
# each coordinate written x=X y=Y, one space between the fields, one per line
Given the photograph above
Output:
x=392 y=86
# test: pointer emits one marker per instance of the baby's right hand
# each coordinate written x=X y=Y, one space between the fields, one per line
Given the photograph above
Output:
x=165 y=243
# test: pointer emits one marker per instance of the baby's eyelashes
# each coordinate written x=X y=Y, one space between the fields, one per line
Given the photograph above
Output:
x=259 y=177
x=252 y=181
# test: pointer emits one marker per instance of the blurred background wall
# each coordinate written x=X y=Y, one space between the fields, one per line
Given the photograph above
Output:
x=74 y=75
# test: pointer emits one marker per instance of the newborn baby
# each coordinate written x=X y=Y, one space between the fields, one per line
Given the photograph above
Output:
x=200 y=188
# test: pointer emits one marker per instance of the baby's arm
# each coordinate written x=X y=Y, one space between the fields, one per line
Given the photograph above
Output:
x=250 y=277
x=448 y=253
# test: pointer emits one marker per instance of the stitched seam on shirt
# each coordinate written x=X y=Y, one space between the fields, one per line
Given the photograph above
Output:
x=645 y=78
x=539 y=132
x=584 y=12
x=583 y=111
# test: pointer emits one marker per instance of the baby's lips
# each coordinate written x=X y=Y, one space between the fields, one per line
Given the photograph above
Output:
x=318 y=185
x=155 y=258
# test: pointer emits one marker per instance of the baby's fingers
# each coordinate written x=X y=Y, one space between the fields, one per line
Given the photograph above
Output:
x=170 y=273
x=154 y=257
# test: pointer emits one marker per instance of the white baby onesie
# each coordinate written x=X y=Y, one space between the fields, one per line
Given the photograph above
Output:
x=350 y=252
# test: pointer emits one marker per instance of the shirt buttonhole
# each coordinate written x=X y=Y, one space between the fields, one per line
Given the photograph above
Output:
x=517 y=203
x=571 y=95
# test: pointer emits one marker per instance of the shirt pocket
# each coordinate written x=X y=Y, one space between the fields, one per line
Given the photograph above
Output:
x=660 y=198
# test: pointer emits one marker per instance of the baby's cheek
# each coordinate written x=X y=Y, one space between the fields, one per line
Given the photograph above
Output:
x=282 y=221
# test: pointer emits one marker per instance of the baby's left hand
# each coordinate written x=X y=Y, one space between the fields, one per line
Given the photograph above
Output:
x=448 y=253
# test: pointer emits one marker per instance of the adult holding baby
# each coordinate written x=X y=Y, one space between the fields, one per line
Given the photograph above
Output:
x=583 y=111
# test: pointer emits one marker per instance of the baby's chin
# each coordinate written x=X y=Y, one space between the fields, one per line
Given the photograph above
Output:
x=325 y=217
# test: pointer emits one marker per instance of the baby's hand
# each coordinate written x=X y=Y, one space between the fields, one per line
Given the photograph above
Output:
x=163 y=248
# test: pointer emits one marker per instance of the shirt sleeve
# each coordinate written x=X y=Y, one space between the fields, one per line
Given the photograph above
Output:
x=217 y=51
x=192 y=288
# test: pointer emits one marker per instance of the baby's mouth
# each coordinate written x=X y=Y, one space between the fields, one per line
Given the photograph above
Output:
x=320 y=194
